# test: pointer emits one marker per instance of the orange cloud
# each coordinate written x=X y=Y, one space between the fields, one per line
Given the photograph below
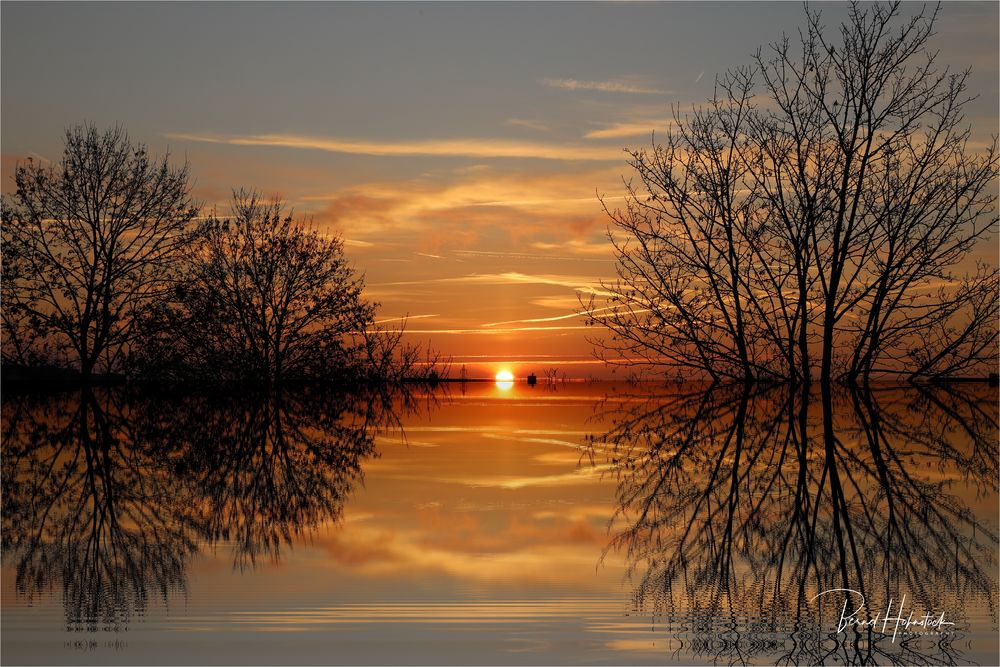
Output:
x=584 y=284
x=347 y=209
x=525 y=207
x=639 y=128
x=474 y=148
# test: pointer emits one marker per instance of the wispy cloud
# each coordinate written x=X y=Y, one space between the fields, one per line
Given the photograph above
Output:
x=536 y=202
x=533 y=320
x=581 y=247
x=536 y=125
x=535 y=257
x=580 y=284
x=562 y=302
x=456 y=213
x=598 y=313
x=402 y=318
x=622 y=85
x=473 y=148
x=637 y=128
x=356 y=243
x=509 y=330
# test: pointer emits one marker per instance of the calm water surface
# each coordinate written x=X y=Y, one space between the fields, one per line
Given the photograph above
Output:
x=576 y=524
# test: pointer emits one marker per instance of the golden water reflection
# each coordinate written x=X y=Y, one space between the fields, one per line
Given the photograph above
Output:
x=472 y=524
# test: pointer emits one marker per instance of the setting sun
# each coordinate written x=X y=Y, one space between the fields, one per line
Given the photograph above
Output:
x=505 y=379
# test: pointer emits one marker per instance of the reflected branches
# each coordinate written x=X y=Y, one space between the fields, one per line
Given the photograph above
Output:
x=111 y=497
x=266 y=470
x=733 y=501
x=87 y=507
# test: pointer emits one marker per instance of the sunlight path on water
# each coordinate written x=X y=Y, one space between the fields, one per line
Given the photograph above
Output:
x=521 y=525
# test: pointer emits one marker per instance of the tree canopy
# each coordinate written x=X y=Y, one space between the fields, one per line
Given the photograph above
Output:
x=264 y=299
x=89 y=244
x=823 y=206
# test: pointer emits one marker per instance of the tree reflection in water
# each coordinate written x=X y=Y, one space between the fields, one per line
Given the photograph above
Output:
x=736 y=508
x=110 y=498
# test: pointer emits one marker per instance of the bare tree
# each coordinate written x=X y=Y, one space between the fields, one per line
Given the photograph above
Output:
x=385 y=358
x=881 y=164
x=828 y=206
x=89 y=244
x=20 y=346
x=266 y=299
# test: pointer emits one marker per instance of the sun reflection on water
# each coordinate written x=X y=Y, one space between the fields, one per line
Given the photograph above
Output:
x=505 y=380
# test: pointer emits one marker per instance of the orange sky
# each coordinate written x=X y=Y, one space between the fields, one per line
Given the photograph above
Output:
x=458 y=148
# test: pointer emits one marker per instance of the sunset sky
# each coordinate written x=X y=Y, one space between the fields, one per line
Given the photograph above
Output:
x=458 y=148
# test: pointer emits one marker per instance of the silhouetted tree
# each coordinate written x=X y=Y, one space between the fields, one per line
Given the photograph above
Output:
x=876 y=154
x=829 y=206
x=386 y=358
x=686 y=259
x=88 y=245
x=265 y=299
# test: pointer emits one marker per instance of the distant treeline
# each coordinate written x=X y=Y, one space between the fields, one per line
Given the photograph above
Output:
x=111 y=270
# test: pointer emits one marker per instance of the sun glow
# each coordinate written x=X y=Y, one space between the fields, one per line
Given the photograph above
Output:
x=505 y=380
